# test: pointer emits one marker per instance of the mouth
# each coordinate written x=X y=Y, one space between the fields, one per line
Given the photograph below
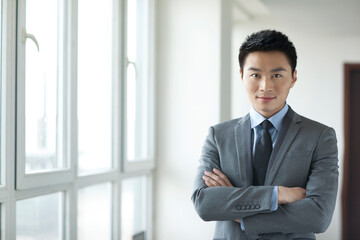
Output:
x=265 y=99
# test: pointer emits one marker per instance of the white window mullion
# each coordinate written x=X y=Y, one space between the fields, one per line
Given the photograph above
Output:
x=71 y=82
x=117 y=89
x=93 y=179
x=30 y=193
x=71 y=204
x=62 y=87
x=151 y=86
x=71 y=208
x=115 y=209
x=118 y=117
x=20 y=95
x=149 y=207
x=8 y=121
x=8 y=218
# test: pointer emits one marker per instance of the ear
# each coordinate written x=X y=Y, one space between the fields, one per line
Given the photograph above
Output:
x=241 y=74
x=294 y=79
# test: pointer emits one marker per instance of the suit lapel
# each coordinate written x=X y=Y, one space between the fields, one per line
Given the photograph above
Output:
x=243 y=150
x=286 y=136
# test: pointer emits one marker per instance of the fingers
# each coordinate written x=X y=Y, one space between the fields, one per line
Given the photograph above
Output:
x=216 y=179
x=290 y=195
x=298 y=193
x=210 y=182
x=237 y=220
x=301 y=192
x=223 y=177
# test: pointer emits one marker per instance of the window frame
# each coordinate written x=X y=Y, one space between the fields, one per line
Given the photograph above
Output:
x=38 y=179
x=7 y=189
x=2 y=101
x=148 y=163
x=16 y=185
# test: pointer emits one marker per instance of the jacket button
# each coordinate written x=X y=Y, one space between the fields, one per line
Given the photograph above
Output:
x=243 y=207
x=248 y=207
x=257 y=206
x=238 y=207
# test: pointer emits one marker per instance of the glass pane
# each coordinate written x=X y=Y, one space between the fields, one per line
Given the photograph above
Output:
x=133 y=208
x=131 y=30
x=95 y=84
x=94 y=212
x=138 y=98
x=40 y=217
x=43 y=86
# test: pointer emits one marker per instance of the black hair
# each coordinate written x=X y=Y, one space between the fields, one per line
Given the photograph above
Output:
x=268 y=40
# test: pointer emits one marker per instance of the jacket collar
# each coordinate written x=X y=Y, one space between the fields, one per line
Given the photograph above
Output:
x=291 y=125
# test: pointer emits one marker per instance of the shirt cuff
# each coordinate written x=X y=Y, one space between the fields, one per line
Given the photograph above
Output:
x=242 y=224
x=274 y=199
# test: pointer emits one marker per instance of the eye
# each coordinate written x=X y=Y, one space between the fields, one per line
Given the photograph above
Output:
x=277 y=75
x=255 y=75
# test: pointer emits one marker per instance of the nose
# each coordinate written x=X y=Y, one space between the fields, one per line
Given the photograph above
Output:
x=266 y=84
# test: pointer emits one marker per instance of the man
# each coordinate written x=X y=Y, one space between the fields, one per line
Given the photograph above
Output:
x=271 y=174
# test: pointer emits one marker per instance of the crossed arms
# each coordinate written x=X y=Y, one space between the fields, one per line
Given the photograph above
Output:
x=301 y=209
x=286 y=195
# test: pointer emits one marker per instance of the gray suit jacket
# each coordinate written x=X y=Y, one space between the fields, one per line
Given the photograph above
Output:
x=304 y=155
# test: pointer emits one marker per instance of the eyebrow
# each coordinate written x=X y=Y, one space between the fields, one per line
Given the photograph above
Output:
x=273 y=70
x=279 y=69
x=254 y=69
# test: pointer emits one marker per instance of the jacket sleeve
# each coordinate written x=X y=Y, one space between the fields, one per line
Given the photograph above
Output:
x=225 y=203
x=313 y=213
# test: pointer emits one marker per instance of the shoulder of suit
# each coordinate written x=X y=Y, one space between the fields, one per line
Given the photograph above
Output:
x=309 y=123
x=230 y=123
x=227 y=129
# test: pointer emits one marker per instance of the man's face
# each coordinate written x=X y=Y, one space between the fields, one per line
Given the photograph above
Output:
x=267 y=79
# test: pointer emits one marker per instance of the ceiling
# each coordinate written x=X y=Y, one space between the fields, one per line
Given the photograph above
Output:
x=331 y=17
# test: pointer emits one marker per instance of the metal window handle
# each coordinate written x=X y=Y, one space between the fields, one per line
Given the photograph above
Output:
x=128 y=62
x=26 y=35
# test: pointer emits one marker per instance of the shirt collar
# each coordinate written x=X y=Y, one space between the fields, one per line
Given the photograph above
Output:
x=276 y=120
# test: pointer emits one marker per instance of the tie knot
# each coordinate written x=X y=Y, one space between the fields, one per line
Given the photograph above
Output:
x=266 y=124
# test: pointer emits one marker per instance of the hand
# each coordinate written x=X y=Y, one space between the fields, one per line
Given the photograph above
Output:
x=289 y=195
x=216 y=179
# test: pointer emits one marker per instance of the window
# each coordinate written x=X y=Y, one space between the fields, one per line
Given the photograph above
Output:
x=137 y=81
x=95 y=85
x=89 y=200
x=41 y=94
x=138 y=86
x=133 y=206
x=76 y=119
x=40 y=217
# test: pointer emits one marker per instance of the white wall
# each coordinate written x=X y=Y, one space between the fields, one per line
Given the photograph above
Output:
x=188 y=52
